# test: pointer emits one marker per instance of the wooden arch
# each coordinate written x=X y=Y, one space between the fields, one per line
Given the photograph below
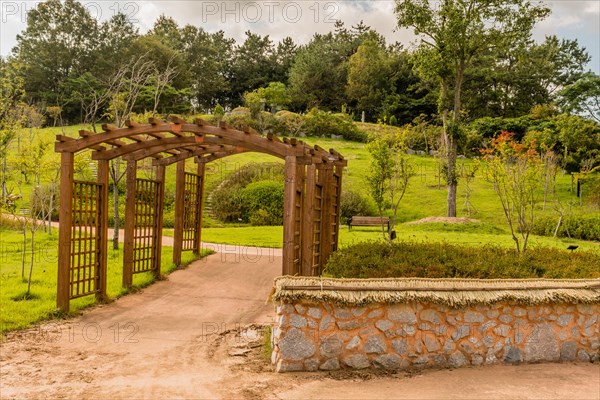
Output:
x=313 y=178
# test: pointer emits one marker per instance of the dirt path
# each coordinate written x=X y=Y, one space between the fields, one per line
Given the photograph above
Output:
x=172 y=340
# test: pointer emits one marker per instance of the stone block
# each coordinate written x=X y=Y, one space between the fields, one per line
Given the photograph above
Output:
x=384 y=325
x=388 y=361
x=583 y=356
x=297 y=321
x=400 y=346
x=315 y=312
x=331 y=346
x=457 y=359
x=357 y=312
x=512 y=355
x=542 y=345
x=430 y=315
x=506 y=318
x=375 y=344
x=375 y=313
x=342 y=313
x=354 y=343
x=431 y=343
x=300 y=309
x=296 y=346
x=477 y=359
x=473 y=317
x=326 y=322
x=568 y=351
x=564 y=319
x=283 y=366
x=586 y=309
x=311 y=365
x=460 y=332
x=330 y=365
x=348 y=325
x=402 y=313
x=357 y=361
x=519 y=312
x=502 y=330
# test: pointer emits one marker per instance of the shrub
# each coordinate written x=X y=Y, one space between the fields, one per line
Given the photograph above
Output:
x=353 y=203
x=393 y=120
x=584 y=227
x=263 y=203
x=322 y=123
x=228 y=199
x=227 y=203
x=442 y=260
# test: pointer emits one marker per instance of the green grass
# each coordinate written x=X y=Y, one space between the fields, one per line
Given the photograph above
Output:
x=17 y=313
x=467 y=234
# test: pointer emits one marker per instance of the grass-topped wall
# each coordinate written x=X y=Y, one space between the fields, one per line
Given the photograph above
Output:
x=409 y=323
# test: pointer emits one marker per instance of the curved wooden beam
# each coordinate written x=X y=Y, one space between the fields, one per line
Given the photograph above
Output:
x=248 y=139
x=219 y=155
x=190 y=152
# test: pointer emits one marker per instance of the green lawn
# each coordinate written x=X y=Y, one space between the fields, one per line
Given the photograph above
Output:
x=468 y=234
x=17 y=313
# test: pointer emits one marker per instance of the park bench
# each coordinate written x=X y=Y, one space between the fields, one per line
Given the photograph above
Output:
x=369 y=221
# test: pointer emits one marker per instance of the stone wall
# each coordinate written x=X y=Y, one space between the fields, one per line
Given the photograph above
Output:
x=322 y=336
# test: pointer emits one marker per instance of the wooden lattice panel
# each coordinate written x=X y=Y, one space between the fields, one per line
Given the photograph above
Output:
x=84 y=257
x=191 y=210
x=145 y=237
x=318 y=207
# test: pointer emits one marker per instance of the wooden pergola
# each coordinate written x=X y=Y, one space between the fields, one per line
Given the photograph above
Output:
x=313 y=179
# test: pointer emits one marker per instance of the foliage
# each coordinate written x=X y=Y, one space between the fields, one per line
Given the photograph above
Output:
x=452 y=34
x=444 y=260
x=263 y=203
x=274 y=96
x=584 y=227
x=583 y=96
x=516 y=174
x=291 y=124
x=323 y=124
x=390 y=172
x=354 y=203
x=232 y=203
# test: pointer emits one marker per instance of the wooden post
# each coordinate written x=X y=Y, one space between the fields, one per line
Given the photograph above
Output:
x=198 y=236
x=298 y=212
x=179 y=207
x=129 y=229
x=102 y=233
x=308 y=235
x=326 y=214
x=64 y=231
x=289 y=208
x=338 y=170
x=160 y=204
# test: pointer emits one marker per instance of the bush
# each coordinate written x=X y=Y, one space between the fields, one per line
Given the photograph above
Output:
x=442 y=260
x=584 y=227
x=228 y=198
x=263 y=203
x=353 y=203
x=321 y=123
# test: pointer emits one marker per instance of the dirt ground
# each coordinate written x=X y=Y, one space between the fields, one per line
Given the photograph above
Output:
x=198 y=335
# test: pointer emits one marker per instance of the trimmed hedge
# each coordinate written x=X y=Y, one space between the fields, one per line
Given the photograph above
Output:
x=584 y=227
x=442 y=260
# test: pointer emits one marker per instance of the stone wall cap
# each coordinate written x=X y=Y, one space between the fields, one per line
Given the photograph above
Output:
x=448 y=291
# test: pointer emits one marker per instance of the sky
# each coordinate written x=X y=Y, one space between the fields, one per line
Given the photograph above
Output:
x=300 y=19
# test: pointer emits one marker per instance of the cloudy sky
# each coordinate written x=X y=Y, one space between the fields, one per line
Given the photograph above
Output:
x=300 y=19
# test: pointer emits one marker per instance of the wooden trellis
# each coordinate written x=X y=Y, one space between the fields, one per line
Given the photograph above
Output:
x=313 y=180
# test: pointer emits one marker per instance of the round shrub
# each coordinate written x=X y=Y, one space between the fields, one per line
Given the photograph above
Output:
x=227 y=203
x=263 y=202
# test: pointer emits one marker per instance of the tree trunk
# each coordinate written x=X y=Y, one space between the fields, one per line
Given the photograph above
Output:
x=4 y=192
x=31 y=264
x=23 y=252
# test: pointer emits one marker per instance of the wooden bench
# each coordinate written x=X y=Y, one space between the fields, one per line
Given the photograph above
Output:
x=369 y=221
